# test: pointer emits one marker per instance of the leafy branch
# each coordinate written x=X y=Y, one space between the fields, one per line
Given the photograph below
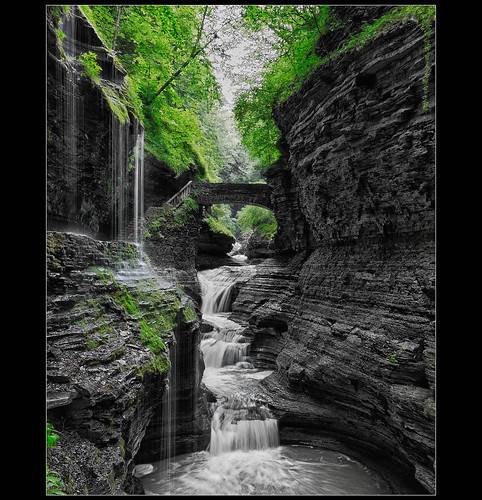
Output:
x=194 y=53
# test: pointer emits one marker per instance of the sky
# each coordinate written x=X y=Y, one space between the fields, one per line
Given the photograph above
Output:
x=230 y=53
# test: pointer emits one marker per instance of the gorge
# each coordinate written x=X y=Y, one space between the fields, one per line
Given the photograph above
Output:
x=173 y=367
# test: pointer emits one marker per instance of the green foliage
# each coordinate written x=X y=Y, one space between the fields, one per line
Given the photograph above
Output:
x=424 y=15
x=170 y=218
x=150 y=334
x=233 y=160
x=156 y=323
x=158 y=364
x=54 y=485
x=393 y=357
x=217 y=226
x=297 y=29
x=91 y=66
x=52 y=438
x=189 y=312
x=260 y=219
x=118 y=104
x=220 y=221
x=153 y=43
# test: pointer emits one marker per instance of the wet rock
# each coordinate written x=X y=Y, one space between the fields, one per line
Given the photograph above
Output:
x=143 y=469
x=256 y=246
x=102 y=389
x=344 y=313
x=86 y=155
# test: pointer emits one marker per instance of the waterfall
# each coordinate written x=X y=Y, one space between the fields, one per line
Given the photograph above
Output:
x=119 y=143
x=225 y=345
x=96 y=171
x=127 y=178
x=241 y=424
x=139 y=188
x=216 y=290
x=244 y=455
x=218 y=353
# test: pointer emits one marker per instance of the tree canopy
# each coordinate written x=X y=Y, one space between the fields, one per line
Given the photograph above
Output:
x=295 y=30
x=170 y=51
x=172 y=54
x=161 y=48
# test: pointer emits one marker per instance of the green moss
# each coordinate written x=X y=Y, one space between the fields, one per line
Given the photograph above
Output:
x=170 y=218
x=116 y=104
x=160 y=363
x=189 y=313
x=118 y=256
x=424 y=15
x=157 y=311
x=150 y=338
x=54 y=251
x=217 y=226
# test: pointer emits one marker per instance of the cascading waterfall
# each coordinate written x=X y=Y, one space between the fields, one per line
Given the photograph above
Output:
x=127 y=179
x=120 y=174
x=244 y=456
x=239 y=422
x=218 y=353
x=216 y=290
x=225 y=345
x=138 y=187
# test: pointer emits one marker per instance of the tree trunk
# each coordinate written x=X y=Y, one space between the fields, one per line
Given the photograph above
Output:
x=119 y=10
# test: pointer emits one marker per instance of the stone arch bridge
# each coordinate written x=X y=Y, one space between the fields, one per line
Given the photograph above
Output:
x=206 y=193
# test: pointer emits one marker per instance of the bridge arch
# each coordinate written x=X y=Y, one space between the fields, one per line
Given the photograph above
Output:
x=206 y=193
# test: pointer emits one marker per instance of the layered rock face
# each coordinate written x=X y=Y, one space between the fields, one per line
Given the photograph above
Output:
x=172 y=252
x=104 y=380
x=92 y=132
x=345 y=314
x=212 y=248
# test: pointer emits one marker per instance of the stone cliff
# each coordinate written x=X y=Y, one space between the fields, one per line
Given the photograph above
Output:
x=345 y=314
x=92 y=130
x=106 y=372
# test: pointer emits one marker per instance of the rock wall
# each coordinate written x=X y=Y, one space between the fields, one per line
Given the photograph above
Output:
x=104 y=381
x=346 y=313
x=92 y=130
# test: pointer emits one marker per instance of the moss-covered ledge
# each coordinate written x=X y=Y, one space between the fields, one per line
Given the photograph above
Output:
x=109 y=349
x=80 y=44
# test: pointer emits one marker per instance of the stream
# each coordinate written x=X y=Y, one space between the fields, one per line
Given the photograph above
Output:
x=244 y=456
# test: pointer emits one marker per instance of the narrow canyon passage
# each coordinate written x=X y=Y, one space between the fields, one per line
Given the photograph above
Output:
x=244 y=456
x=240 y=249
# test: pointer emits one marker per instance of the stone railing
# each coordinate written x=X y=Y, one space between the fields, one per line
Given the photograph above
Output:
x=177 y=199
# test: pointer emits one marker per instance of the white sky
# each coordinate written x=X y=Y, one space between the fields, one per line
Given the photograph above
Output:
x=237 y=46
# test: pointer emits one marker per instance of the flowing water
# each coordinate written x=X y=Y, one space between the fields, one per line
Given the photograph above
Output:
x=123 y=178
x=244 y=456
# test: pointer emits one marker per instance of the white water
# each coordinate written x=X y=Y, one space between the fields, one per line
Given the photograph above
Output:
x=225 y=345
x=242 y=424
x=138 y=187
x=244 y=456
x=284 y=470
x=125 y=181
x=216 y=289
